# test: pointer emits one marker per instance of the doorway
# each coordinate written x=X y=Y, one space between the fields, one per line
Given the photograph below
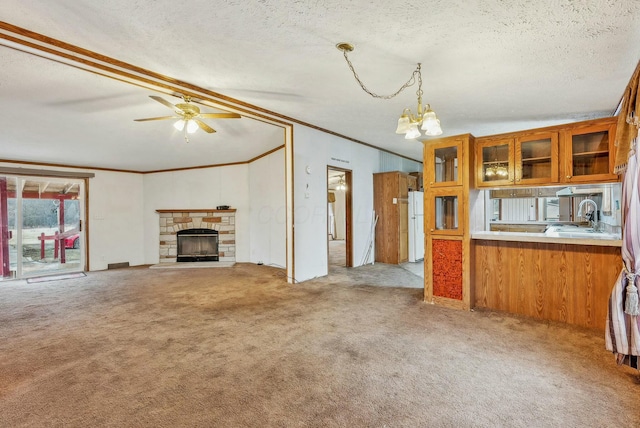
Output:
x=41 y=222
x=339 y=225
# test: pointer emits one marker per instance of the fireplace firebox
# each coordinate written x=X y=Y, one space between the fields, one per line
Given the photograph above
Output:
x=197 y=245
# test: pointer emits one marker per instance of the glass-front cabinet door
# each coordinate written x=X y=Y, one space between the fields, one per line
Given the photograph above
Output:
x=443 y=160
x=447 y=211
x=589 y=153
x=536 y=158
x=494 y=163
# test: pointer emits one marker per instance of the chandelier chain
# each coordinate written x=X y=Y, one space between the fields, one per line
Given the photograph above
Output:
x=410 y=82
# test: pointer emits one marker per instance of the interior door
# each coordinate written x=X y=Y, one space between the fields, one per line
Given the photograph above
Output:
x=339 y=208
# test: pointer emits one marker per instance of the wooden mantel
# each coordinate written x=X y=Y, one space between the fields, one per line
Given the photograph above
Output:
x=197 y=210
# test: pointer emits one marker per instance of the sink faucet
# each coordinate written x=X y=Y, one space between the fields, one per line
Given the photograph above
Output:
x=594 y=215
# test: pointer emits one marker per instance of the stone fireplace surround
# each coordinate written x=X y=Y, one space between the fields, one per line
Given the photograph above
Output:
x=173 y=220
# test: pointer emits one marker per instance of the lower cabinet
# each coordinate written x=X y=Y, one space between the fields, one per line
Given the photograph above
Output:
x=547 y=281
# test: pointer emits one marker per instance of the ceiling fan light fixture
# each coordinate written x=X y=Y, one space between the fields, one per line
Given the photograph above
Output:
x=192 y=126
x=179 y=125
x=189 y=116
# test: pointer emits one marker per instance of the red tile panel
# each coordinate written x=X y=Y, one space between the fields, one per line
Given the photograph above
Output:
x=447 y=268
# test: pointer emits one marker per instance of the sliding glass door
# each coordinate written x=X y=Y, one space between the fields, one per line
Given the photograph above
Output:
x=41 y=226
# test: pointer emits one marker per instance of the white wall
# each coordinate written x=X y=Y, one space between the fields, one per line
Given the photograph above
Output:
x=197 y=189
x=267 y=212
x=317 y=150
x=115 y=219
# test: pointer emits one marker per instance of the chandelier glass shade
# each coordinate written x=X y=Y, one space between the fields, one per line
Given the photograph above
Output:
x=409 y=124
x=342 y=186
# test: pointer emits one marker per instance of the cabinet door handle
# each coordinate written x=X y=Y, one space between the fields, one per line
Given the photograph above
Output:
x=568 y=176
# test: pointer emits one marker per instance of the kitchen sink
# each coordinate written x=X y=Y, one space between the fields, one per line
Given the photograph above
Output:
x=578 y=232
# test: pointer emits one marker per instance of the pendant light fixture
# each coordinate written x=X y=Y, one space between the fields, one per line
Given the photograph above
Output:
x=408 y=123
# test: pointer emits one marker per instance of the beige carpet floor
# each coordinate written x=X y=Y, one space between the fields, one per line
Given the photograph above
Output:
x=337 y=253
x=240 y=347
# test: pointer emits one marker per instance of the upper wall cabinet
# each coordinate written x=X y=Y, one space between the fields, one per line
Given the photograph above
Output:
x=588 y=153
x=536 y=158
x=573 y=153
x=494 y=162
x=442 y=160
x=524 y=159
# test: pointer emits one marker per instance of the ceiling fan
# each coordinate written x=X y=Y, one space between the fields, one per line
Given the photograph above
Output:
x=189 y=116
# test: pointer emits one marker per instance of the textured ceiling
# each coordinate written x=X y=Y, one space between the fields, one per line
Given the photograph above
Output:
x=488 y=67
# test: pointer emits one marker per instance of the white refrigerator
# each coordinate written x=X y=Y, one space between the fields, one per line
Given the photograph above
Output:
x=416 y=226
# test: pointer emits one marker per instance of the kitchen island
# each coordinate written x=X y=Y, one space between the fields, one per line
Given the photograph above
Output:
x=545 y=277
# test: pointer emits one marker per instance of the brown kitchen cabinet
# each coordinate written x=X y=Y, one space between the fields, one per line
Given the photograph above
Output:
x=589 y=152
x=441 y=165
x=391 y=204
x=447 y=184
x=494 y=162
x=446 y=211
x=524 y=159
x=546 y=281
x=581 y=152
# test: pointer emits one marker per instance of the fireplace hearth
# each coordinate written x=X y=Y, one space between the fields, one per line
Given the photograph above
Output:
x=197 y=245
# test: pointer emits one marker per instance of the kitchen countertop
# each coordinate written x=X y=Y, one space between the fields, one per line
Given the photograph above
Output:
x=602 y=240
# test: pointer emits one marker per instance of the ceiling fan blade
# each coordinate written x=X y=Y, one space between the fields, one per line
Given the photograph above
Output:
x=162 y=101
x=157 y=118
x=219 y=115
x=204 y=126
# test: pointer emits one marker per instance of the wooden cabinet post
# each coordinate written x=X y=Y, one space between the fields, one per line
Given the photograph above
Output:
x=447 y=236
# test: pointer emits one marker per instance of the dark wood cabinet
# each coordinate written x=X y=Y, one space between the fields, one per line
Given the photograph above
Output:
x=391 y=204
